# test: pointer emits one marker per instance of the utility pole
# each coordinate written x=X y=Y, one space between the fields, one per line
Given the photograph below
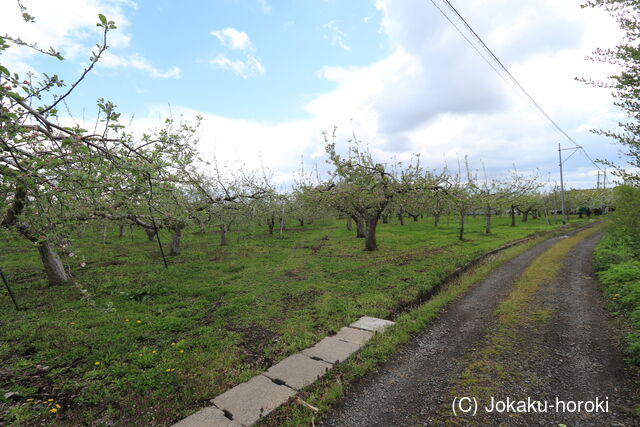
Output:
x=560 y=150
x=598 y=187
x=564 y=216
x=604 y=185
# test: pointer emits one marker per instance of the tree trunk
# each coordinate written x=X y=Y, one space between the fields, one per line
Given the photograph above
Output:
x=223 y=235
x=151 y=233
x=461 y=237
x=349 y=223
x=370 y=243
x=301 y=222
x=271 y=223
x=385 y=219
x=415 y=217
x=487 y=221
x=436 y=220
x=360 y=228
x=52 y=264
x=546 y=215
x=121 y=231
x=175 y=241
x=513 y=216
x=401 y=218
x=525 y=216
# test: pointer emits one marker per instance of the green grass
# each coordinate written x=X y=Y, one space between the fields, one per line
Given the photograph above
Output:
x=170 y=340
x=618 y=269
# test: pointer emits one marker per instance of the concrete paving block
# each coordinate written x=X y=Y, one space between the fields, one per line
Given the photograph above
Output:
x=207 y=417
x=332 y=350
x=298 y=371
x=371 y=324
x=357 y=336
x=247 y=402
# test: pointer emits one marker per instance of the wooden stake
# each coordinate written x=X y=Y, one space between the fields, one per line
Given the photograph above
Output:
x=305 y=404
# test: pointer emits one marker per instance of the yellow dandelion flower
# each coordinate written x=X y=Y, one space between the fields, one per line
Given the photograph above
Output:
x=170 y=369
x=58 y=406
x=181 y=351
x=97 y=363
x=173 y=343
x=154 y=352
x=49 y=400
x=138 y=321
x=53 y=410
x=126 y=320
x=72 y=323
x=30 y=400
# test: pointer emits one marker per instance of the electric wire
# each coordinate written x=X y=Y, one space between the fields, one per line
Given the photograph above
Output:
x=504 y=79
x=506 y=71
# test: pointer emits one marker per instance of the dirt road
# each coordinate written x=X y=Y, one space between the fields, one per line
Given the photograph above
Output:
x=556 y=350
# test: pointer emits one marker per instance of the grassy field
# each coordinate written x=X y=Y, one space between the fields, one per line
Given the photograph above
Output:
x=134 y=344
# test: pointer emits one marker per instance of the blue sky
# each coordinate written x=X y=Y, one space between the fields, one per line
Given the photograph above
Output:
x=292 y=40
x=269 y=76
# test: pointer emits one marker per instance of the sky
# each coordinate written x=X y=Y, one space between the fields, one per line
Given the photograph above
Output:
x=269 y=76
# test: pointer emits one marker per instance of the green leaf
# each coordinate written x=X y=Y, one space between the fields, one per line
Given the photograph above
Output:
x=103 y=19
x=15 y=96
x=3 y=70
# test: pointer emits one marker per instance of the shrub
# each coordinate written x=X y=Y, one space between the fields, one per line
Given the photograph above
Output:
x=619 y=273
x=627 y=216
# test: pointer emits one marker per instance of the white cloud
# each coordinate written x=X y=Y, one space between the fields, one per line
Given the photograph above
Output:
x=336 y=35
x=233 y=39
x=243 y=141
x=70 y=27
x=265 y=6
x=249 y=67
x=137 y=62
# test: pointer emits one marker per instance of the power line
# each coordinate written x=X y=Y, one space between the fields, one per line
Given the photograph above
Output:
x=504 y=68
x=504 y=79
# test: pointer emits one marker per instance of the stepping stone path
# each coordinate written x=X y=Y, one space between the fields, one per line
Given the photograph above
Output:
x=331 y=350
x=297 y=371
x=246 y=403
